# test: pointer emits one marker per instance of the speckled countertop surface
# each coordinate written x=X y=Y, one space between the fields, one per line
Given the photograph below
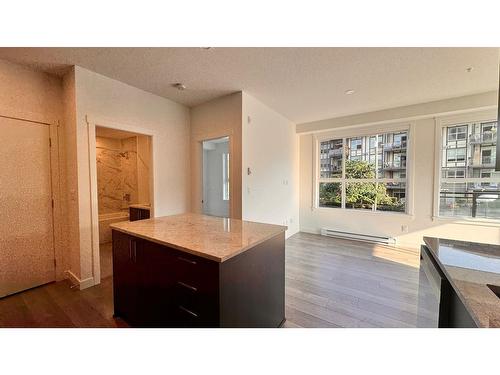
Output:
x=469 y=266
x=210 y=237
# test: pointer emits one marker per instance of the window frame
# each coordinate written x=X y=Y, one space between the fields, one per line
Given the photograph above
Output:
x=356 y=132
x=469 y=117
x=226 y=194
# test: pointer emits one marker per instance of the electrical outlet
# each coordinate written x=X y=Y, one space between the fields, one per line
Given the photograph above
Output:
x=404 y=228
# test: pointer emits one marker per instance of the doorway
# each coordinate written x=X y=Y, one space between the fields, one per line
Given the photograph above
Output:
x=27 y=257
x=216 y=178
x=123 y=171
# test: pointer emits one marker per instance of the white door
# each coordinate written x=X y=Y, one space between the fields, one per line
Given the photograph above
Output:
x=216 y=177
x=26 y=222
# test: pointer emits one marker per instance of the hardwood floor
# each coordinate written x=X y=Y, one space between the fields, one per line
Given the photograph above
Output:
x=329 y=283
x=57 y=305
x=341 y=283
x=106 y=259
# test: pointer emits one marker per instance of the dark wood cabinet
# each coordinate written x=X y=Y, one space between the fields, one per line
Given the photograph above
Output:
x=125 y=286
x=158 y=286
x=136 y=213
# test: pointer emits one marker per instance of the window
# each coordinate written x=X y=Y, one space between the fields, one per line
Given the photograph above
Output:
x=225 y=176
x=457 y=133
x=365 y=173
x=469 y=186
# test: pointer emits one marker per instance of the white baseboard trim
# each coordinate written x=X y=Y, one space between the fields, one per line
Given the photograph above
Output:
x=81 y=284
x=310 y=230
x=410 y=246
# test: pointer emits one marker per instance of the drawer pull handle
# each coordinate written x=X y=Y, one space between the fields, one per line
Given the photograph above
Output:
x=188 y=311
x=187 y=260
x=194 y=289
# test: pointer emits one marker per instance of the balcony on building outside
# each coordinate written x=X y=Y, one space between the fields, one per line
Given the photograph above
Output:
x=484 y=138
x=395 y=146
x=395 y=185
x=477 y=202
x=335 y=152
x=483 y=162
x=394 y=166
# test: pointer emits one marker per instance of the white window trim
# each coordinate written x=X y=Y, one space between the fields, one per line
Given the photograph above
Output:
x=225 y=176
x=360 y=132
x=440 y=123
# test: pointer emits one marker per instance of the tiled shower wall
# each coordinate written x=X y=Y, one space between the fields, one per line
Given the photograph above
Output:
x=116 y=173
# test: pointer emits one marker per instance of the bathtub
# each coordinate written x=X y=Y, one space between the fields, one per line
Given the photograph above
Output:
x=109 y=218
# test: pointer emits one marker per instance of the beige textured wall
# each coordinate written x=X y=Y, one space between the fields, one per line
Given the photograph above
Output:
x=421 y=223
x=217 y=118
x=28 y=94
x=37 y=96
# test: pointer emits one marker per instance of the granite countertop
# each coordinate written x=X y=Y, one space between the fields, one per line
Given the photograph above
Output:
x=141 y=206
x=469 y=266
x=210 y=237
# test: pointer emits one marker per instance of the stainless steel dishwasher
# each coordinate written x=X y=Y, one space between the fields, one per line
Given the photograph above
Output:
x=433 y=293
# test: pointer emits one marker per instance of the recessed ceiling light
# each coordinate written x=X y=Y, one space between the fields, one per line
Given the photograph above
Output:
x=469 y=69
x=349 y=92
x=179 y=86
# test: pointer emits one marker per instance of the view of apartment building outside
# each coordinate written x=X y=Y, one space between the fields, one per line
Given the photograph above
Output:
x=469 y=183
x=386 y=158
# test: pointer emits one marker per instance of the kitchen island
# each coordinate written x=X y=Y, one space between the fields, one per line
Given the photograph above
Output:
x=193 y=270
x=466 y=276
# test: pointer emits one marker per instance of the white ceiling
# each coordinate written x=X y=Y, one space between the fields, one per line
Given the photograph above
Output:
x=303 y=84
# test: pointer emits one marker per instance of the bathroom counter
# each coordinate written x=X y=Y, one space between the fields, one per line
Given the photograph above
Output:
x=210 y=237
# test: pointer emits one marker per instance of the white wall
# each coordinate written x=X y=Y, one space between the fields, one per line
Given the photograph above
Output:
x=100 y=97
x=271 y=151
x=71 y=226
x=213 y=204
x=421 y=223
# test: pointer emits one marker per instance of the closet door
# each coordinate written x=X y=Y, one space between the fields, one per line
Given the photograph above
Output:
x=26 y=222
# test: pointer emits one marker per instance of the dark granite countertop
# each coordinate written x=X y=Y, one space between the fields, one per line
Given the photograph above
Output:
x=470 y=266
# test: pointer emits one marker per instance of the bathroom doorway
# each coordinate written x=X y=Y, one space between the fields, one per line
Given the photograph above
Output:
x=123 y=170
x=216 y=178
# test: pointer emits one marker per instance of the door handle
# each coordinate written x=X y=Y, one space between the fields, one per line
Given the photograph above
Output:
x=190 y=287
x=132 y=251
x=186 y=260
x=192 y=313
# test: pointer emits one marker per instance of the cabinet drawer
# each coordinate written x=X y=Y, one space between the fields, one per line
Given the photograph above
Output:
x=195 y=274
x=196 y=295
x=202 y=302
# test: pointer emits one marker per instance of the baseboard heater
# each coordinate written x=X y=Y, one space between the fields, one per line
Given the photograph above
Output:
x=358 y=236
